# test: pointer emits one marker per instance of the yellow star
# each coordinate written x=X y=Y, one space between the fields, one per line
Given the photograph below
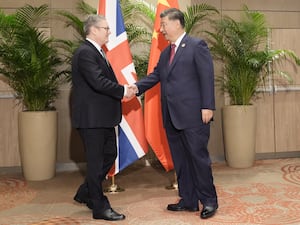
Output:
x=163 y=2
x=155 y=34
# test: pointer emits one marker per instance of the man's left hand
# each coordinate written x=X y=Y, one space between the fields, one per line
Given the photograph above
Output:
x=207 y=115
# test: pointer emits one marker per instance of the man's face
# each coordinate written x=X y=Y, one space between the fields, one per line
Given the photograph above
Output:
x=170 y=29
x=102 y=32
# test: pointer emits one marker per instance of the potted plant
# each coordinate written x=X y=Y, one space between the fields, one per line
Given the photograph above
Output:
x=248 y=62
x=30 y=61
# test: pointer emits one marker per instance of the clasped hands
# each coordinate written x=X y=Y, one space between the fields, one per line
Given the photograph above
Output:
x=131 y=90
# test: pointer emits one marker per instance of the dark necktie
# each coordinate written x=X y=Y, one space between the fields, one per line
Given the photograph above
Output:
x=173 y=46
x=104 y=56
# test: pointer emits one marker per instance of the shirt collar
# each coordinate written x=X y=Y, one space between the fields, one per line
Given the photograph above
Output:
x=177 y=42
x=95 y=44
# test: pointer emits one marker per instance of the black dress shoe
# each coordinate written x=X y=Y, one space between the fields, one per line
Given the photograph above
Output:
x=79 y=199
x=109 y=214
x=179 y=207
x=83 y=200
x=208 y=211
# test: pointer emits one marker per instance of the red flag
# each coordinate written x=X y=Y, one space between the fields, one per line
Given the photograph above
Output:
x=132 y=143
x=154 y=130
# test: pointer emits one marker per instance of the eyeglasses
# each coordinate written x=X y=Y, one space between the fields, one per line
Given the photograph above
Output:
x=105 y=28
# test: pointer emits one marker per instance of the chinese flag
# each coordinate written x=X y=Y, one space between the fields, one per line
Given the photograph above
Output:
x=154 y=130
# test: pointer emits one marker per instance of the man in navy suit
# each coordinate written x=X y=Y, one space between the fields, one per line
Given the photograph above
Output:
x=96 y=110
x=187 y=99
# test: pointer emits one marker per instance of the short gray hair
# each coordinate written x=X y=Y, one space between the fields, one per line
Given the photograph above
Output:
x=92 y=20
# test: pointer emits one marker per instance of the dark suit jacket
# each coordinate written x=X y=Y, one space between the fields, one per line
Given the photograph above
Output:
x=96 y=94
x=187 y=85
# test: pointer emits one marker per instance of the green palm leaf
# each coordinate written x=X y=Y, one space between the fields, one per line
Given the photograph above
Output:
x=196 y=14
x=242 y=47
x=29 y=58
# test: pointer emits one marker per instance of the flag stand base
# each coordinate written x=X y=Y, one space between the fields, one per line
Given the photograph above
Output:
x=173 y=186
x=113 y=188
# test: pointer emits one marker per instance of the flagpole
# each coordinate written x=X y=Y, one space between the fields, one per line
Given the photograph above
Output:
x=113 y=188
x=173 y=186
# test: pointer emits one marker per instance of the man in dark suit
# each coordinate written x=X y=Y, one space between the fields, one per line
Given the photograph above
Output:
x=96 y=110
x=187 y=99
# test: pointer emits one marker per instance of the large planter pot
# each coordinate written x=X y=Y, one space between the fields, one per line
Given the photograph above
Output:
x=37 y=144
x=239 y=133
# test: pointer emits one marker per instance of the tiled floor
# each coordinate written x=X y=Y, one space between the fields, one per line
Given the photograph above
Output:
x=266 y=194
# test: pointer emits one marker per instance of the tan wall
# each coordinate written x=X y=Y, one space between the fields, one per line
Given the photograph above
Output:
x=278 y=113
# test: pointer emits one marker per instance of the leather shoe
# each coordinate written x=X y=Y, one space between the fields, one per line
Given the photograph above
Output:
x=79 y=199
x=178 y=207
x=208 y=211
x=83 y=200
x=109 y=214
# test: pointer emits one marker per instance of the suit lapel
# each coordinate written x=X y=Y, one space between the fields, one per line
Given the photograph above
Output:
x=179 y=51
x=101 y=58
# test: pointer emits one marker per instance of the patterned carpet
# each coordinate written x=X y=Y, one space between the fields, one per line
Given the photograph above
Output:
x=266 y=194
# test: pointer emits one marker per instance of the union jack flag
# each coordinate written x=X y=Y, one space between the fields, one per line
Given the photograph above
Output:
x=131 y=143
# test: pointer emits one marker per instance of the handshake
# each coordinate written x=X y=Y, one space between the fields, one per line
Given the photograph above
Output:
x=130 y=90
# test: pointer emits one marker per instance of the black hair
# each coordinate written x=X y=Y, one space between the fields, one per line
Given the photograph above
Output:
x=173 y=14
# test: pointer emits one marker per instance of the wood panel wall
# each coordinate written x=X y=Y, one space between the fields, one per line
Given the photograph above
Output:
x=278 y=113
